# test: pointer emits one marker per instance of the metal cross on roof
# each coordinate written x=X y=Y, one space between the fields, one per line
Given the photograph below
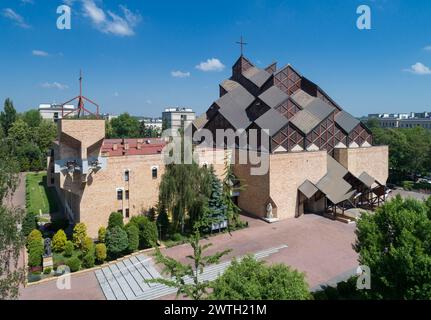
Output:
x=242 y=44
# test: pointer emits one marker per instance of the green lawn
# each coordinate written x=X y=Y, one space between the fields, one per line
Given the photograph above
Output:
x=39 y=198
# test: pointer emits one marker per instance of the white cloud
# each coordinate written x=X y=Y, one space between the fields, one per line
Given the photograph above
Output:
x=116 y=94
x=427 y=48
x=15 y=17
x=149 y=101
x=211 y=65
x=24 y=2
x=419 y=69
x=180 y=74
x=40 y=53
x=111 y=22
x=54 y=85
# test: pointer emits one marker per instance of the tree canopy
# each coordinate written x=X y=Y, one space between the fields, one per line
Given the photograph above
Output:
x=11 y=238
x=250 y=279
x=409 y=149
x=395 y=243
x=125 y=126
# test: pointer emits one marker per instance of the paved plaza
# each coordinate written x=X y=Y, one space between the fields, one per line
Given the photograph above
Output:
x=319 y=247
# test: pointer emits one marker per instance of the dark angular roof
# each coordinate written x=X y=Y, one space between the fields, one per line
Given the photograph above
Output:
x=257 y=76
x=319 y=108
x=233 y=105
x=271 y=120
x=367 y=179
x=346 y=121
x=302 y=98
x=308 y=189
x=273 y=97
x=305 y=121
x=229 y=85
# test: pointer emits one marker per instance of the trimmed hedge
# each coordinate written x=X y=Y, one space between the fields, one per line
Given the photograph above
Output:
x=74 y=264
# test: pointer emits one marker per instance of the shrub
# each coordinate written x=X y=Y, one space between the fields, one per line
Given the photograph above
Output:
x=133 y=237
x=87 y=245
x=252 y=280
x=35 y=252
x=34 y=235
x=115 y=220
x=147 y=231
x=35 y=248
x=79 y=235
x=176 y=237
x=74 y=264
x=59 y=241
x=29 y=224
x=100 y=252
x=68 y=249
x=47 y=270
x=152 y=214
x=116 y=241
x=408 y=185
x=89 y=260
x=101 y=234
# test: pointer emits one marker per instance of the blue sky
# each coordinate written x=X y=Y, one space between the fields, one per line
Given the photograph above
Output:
x=141 y=56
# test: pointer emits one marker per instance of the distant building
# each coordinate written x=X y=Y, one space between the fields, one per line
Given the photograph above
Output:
x=153 y=123
x=108 y=116
x=54 y=111
x=176 y=118
x=403 y=120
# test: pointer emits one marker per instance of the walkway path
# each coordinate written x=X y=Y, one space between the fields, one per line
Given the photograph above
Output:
x=320 y=247
x=127 y=279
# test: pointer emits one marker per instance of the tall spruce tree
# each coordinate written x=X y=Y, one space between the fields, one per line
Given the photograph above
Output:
x=8 y=116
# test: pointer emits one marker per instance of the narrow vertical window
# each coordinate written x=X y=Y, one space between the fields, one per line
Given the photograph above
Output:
x=119 y=194
x=127 y=213
x=126 y=175
x=127 y=194
x=154 y=173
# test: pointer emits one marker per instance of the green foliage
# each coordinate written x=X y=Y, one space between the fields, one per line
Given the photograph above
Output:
x=68 y=249
x=29 y=223
x=184 y=190
x=162 y=220
x=87 y=245
x=19 y=132
x=116 y=241
x=35 y=250
x=408 y=185
x=345 y=290
x=231 y=184
x=59 y=241
x=89 y=259
x=100 y=252
x=74 y=264
x=133 y=237
x=147 y=231
x=47 y=270
x=35 y=235
x=115 y=220
x=79 y=235
x=8 y=116
x=124 y=126
x=249 y=279
x=152 y=214
x=149 y=236
x=101 y=234
x=409 y=150
x=148 y=132
x=32 y=118
x=39 y=197
x=11 y=239
x=176 y=271
x=394 y=243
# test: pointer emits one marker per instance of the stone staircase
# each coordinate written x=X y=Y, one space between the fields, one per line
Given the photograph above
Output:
x=127 y=279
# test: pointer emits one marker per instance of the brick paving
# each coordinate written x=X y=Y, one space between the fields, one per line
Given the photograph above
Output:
x=320 y=247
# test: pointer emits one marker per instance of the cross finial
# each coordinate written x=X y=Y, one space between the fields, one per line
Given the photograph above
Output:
x=242 y=44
